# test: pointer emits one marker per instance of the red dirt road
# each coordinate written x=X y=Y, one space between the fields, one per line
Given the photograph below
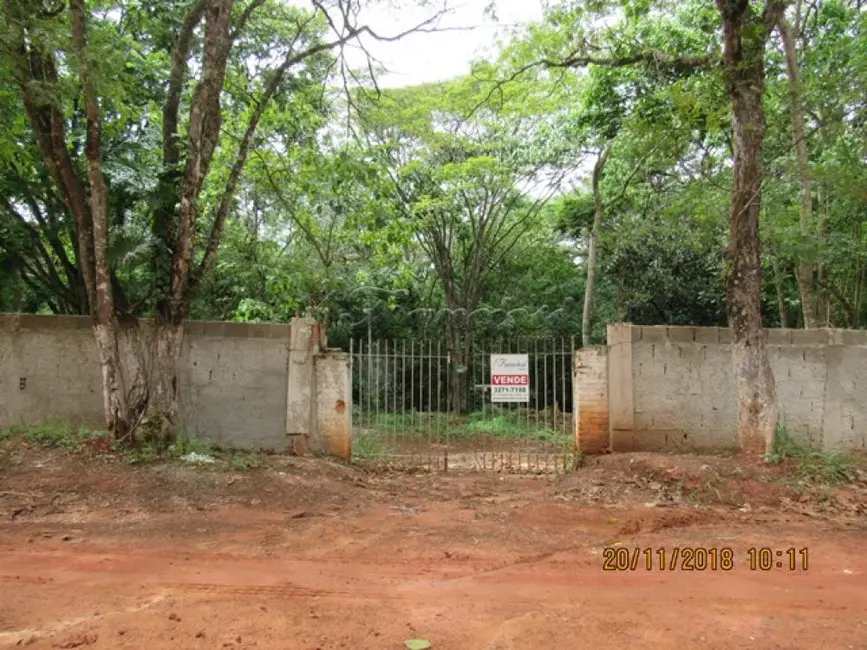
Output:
x=341 y=562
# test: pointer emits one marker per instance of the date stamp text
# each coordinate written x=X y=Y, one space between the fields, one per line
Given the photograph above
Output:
x=687 y=558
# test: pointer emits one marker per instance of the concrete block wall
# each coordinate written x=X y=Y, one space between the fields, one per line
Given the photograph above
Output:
x=234 y=378
x=671 y=388
x=233 y=384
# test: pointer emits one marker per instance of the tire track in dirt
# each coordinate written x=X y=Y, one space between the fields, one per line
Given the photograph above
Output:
x=29 y=635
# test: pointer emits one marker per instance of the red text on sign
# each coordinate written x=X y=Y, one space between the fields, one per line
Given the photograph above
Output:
x=510 y=380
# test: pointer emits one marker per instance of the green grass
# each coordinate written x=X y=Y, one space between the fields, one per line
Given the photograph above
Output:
x=512 y=426
x=245 y=461
x=813 y=464
x=497 y=424
x=365 y=447
x=150 y=451
x=53 y=435
x=59 y=435
x=412 y=422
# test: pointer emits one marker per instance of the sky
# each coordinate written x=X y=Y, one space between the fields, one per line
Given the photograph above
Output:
x=427 y=57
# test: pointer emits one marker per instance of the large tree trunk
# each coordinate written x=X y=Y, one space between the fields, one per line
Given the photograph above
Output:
x=105 y=325
x=161 y=418
x=745 y=36
x=806 y=270
x=590 y=284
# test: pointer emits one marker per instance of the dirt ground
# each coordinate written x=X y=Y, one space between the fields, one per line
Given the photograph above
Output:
x=306 y=554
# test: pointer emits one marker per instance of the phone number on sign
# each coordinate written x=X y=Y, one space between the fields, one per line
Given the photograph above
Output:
x=702 y=559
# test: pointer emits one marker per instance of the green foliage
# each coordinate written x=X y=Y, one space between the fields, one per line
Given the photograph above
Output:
x=508 y=425
x=369 y=447
x=376 y=230
x=496 y=424
x=243 y=462
x=54 y=434
x=813 y=464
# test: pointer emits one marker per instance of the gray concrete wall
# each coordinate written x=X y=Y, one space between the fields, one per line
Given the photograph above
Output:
x=234 y=379
x=49 y=371
x=671 y=388
x=233 y=384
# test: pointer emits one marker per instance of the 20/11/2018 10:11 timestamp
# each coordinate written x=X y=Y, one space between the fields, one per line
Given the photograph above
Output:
x=703 y=559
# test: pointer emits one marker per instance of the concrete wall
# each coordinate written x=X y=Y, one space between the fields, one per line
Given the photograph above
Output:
x=235 y=388
x=671 y=388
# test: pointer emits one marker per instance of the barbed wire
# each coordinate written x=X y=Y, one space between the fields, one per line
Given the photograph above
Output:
x=429 y=317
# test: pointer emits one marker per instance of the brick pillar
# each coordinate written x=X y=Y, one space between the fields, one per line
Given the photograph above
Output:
x=590 y=386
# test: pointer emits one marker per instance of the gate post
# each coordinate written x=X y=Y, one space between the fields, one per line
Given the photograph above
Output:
x=333 y=405
x=620 y=388
x=590 y=399
x=305 y=342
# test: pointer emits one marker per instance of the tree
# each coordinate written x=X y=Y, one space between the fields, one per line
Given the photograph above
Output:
x=745 y=35
x=647 y=41
x=462 y=193
x=62 y=56
x=590 y=285
x=806 y=270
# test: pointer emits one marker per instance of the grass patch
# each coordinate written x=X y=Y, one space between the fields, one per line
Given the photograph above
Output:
x=242 y=462
x=511 y=426
x=413 y=423
x=498 y=424
x=184 y=445
x=153 y=450
x=57 y=435
x=54 y=435
x=367 y=447
x=812 y=464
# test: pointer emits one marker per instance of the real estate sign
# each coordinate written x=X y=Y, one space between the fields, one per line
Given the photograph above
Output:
x=510 y=378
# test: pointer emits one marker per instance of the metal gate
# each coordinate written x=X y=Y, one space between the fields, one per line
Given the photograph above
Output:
x=406 y=413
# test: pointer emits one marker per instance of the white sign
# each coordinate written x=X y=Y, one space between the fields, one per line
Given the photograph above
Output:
x=510 y=378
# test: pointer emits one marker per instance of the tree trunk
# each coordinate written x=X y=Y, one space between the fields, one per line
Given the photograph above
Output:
x=823 y=295
x=860 y=278
x=778 y=285
x=105 y=327
x=460 y=355
x=117 y=415
x=590 y=284
x=745 y=37
x=162 y=416
x=806 y=271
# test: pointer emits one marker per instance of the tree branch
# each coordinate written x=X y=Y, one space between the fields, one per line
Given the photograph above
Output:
x=576 y=60
x=176 y=82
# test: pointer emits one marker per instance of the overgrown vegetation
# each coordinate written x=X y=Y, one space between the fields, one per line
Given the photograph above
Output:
x=812 y=464
x=447 y=426
x=57 y=435
x=153 y=167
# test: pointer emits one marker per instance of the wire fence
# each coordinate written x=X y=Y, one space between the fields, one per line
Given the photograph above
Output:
x=424 y=404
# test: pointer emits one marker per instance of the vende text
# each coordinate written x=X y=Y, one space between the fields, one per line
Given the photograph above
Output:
x=510 y=380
